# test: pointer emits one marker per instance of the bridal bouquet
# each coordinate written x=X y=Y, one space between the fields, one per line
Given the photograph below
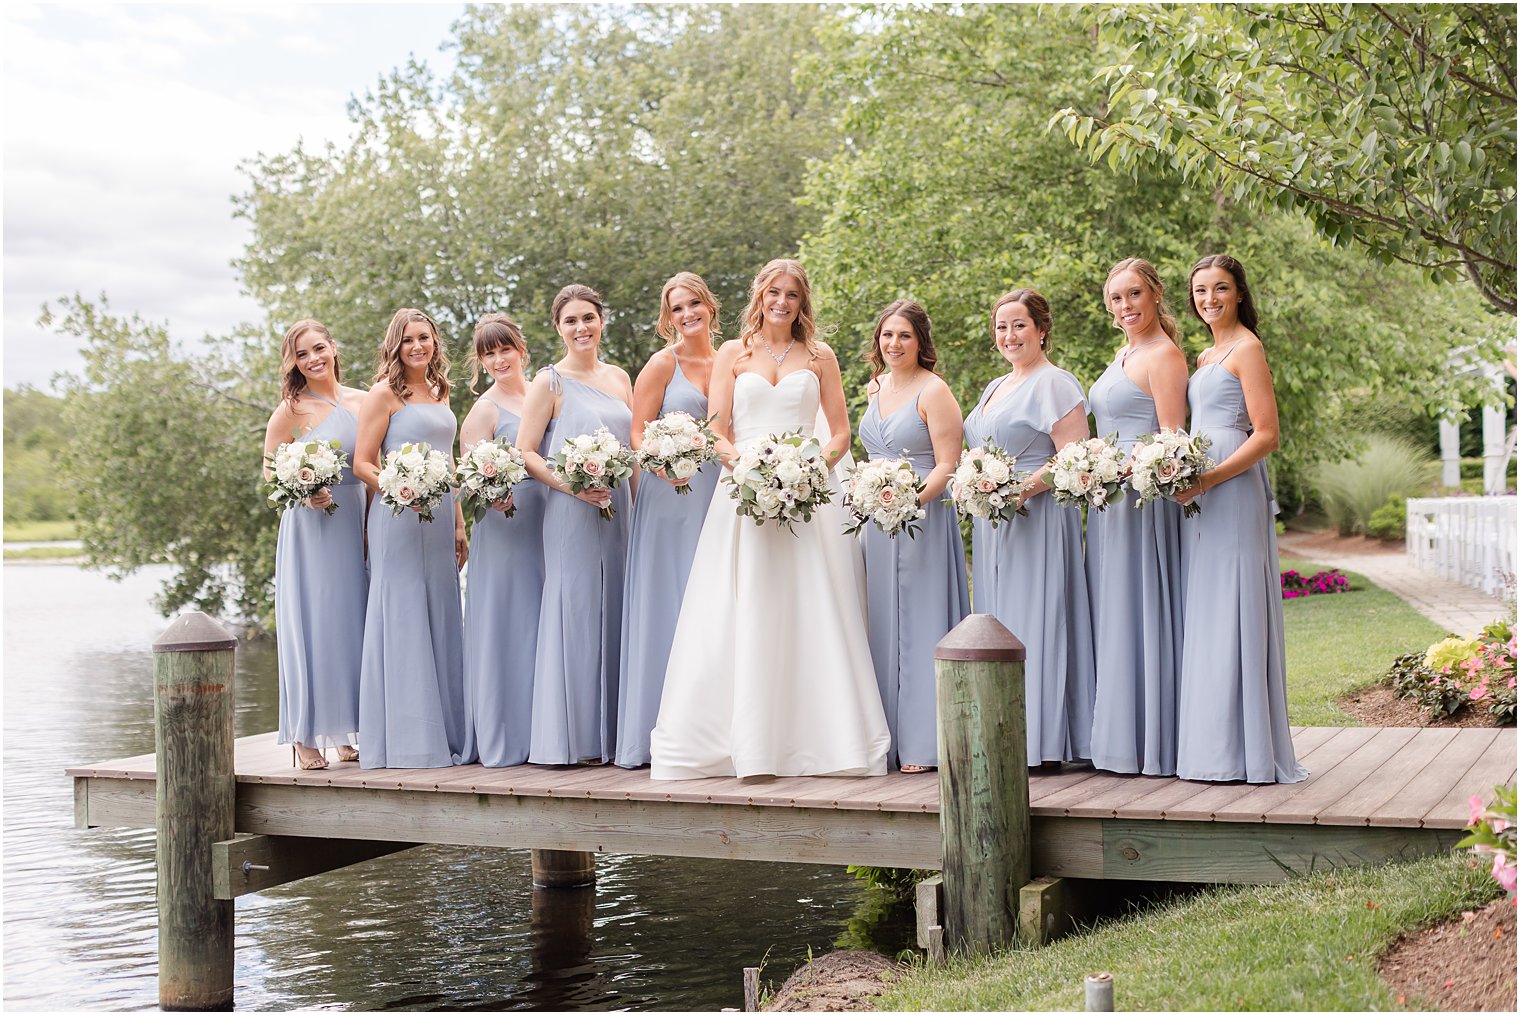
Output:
x=783 y=480
x=1088 y=472
x=883 y=492
x=985 y=485
x=486 y=475
x=1166 y=463
x=415 y=476
x=593 y=461
x=677 y=444
x=303 y=469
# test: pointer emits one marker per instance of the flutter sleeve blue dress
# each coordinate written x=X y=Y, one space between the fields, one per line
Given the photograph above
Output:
x=915 y=590
x=1028 y=572
x=505 y=590
x=575 y=681
x=1134 y=575
x=661 y=543
x=411 y=687
x=1232 y=711
x=320 y=589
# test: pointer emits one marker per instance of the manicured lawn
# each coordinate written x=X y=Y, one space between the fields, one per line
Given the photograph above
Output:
x=1338 y=643
x=1305 y=945
x=39 y=532
x=44 y=553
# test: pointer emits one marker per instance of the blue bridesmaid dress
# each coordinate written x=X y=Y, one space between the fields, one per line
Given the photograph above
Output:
x=320 y=587
x=1134 y=576
x=411 y=688
x=506 y=580
x=661 y=544
x=575 y=680
x=1232 y=711
x=915 y=590
x=1028 y=572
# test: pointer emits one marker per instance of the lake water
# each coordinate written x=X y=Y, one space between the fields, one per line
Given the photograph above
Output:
x=432 y=928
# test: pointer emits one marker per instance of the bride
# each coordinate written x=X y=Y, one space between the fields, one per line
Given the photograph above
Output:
x=770 y=671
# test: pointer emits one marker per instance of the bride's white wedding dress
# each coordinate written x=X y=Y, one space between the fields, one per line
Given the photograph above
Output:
x=770 y=671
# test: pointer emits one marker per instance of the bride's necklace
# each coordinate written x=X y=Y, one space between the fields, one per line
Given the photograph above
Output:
x=782 y=357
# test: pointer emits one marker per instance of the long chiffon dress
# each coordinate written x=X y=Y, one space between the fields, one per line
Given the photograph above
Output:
x=320 y=589
x=575 y=678
x=504 y=594
x=1134 y=576
x=1028 y=572
x=1232 y=713
x=915 y=590
x=663 y=539
x=770 y=670
x=411 y=688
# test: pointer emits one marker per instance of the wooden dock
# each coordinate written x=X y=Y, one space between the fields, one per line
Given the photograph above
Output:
x=1373 y=795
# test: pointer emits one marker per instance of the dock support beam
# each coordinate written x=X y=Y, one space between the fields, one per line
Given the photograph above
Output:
x=563 y=868
x=196 y=808
x=983 y=783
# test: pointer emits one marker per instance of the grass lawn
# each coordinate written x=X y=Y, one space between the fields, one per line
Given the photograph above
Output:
x=39 y=532
x=44 y=553
x=1304 y=945
x=1339 y=643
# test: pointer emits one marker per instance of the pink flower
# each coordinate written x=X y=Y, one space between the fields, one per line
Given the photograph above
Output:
x=1474 y=809
x=406 y=495
x=1084 y=482
x=698 y=441
x=1504 y=873
x=307 y=475
x=592 y=468
x=986 y=485
x=1477 y=693
x=1166 y=470
x=887 y=496
x=488 y=469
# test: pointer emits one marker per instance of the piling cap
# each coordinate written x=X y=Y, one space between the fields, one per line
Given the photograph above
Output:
x=194 y=632
x=980 y=638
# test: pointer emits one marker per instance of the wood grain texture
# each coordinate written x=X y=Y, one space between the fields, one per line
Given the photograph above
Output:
x=289 y=858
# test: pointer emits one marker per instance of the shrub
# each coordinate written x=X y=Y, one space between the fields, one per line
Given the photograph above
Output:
x=1457 y=673
x=1391 y=520
x=1492 y=830
x=1295 y=585
x=1351 y=490
x=1439 y=694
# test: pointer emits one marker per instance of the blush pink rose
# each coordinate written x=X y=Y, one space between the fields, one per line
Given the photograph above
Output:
x=593 y=468
x=488 y=469
x=406 y=495
x=887 y=496
x=986 y=485
x=307 y=475
x=1084 y=482
x=1166 y=471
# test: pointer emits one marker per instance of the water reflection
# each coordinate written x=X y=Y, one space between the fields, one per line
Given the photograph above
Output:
x=429 y=928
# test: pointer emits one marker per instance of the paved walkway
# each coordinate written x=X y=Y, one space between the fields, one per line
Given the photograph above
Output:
x=1459 y=609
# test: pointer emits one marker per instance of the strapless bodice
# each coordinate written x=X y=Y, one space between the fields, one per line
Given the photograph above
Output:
x=762 y=409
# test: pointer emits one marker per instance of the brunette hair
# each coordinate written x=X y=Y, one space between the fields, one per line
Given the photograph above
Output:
x=575 y=291
x=390 y=369
x=804 y=329
x=1032 y=301
x=492 y=332
x=1238 y=273
x=665 y=326
x=918 y=319
x=1152 y=280
x=292 y=381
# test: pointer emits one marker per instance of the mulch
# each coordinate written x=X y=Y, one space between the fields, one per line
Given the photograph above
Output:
x=1465 y=965
x=1298 y=543
x=1380 y=705
x=838 y=981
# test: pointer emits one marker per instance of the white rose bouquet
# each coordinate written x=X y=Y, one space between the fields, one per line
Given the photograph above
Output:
x=985 y=485
x=415 y=476
x=1087 y=472
x=594 y=461
x=486 y=475
x=783 y=480
x=884 y=492
x=677 y=444
x=302 y=469
x=1167 y=462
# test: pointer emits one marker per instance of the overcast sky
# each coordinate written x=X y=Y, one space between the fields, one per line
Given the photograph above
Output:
x=124 y=127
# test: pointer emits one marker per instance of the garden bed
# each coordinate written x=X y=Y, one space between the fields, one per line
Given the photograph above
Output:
x=1380 y=705
x=1466 y=964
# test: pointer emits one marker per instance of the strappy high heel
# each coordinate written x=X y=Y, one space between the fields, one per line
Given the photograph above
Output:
x=309 y=764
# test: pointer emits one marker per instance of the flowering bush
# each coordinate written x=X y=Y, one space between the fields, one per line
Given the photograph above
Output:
x=1492 y=830
x=1295 y=585
x=1455 y=673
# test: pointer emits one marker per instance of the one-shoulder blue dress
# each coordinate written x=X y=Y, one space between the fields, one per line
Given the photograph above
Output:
x=661 y=543
x=575 y=680
x=320 y=589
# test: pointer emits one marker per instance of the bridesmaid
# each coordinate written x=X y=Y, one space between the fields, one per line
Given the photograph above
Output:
x=665 y=524
x=579 y=636
x=915 y=588
x=1232 y=707
x=319 y=579
x=411 y=689
x=506 y=563
x=1028 y=572
x=1134 y=569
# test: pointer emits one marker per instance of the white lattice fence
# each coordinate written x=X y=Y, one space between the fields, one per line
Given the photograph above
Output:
x=1470 y=540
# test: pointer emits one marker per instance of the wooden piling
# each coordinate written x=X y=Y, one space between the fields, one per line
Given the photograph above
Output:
x=196 y=800
x=563 y=868
x=983 y=783
x=751 y=988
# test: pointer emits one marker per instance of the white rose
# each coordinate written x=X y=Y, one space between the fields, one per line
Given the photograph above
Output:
x=684 y=468
x=997 y=471
x=789 y=472
x=769 y=501
x=666 y=447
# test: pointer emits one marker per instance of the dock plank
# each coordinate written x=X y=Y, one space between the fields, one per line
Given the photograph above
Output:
x=1304 y=807
x=1429 y=787
x=1494 y=767
x=1388 y=781
x=1322 y=763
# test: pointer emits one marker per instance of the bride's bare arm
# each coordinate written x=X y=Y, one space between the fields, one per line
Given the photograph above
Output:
x=720 y=398
x=831 y=401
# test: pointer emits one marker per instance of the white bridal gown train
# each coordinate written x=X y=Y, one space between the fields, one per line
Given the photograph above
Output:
x=770 y=671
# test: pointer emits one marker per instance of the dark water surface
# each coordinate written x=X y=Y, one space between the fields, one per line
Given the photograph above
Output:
x=434 y=927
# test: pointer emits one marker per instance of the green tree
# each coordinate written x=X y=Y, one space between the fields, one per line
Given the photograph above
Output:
x=1390 y=126
x=34 y=440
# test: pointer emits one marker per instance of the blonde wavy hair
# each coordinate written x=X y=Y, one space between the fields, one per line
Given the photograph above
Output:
x=804 y=329
x=390 y=369
x=292 y=381
x=665 y=326
x=1152 y=279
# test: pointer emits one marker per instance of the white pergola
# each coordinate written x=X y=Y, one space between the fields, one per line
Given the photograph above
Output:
x=1498 y=444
